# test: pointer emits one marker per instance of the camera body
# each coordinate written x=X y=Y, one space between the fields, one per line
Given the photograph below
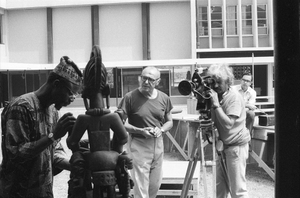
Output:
x=199 y=86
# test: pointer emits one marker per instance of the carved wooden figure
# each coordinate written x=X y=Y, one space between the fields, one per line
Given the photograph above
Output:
x=101 y=160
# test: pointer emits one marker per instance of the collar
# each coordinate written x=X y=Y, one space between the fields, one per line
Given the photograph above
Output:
x=153 y=95
x=243 y=90
x=224 y=95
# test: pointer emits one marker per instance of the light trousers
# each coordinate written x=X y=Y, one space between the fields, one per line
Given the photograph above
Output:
x=147 y=155
x=250 y=116
x=236 y=160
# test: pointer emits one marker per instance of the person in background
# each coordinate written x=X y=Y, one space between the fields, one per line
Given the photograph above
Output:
x=148 y=111
x=249 y=95
x=31 y=131
x=229 y=115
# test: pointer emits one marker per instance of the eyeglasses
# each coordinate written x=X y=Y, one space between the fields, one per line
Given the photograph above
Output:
x=150 y=80
x=72 y=95
x=247 y=81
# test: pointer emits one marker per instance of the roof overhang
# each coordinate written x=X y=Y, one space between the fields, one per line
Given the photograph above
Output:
x=133 y=64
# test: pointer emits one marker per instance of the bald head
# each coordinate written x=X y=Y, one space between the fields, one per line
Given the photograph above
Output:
x=152 y=71
x=149 y=78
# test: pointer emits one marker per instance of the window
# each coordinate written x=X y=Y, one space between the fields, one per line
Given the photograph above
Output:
x=216 y=21
x=262 y=19
x=202 y=24
x=231 y=20
x=179 y=73
x=246 y=19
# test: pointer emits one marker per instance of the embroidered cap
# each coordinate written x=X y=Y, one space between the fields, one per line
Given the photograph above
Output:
x=68 y=70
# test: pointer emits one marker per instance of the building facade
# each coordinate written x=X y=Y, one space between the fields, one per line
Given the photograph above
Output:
x=176 y=36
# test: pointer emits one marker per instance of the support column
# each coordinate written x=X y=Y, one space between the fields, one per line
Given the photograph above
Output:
x=287 y=97
x=50 y=35
x=146 y=31
x=95 y=25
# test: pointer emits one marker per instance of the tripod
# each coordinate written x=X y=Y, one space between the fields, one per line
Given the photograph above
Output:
x=197 y=153
x=207 y=127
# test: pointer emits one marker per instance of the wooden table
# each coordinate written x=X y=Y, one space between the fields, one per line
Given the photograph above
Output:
x=174 y=174
x=196 y=143
x=258 y=156
x=190 y=136
x=192 y=121
x=261 y=104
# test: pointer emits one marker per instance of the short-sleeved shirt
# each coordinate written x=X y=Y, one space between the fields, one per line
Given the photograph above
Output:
x=249 y=95
x=22 y=171
x=145 y=112
x=233 y=105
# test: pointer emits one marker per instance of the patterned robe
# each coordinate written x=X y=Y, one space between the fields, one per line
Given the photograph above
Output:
x=24 y=172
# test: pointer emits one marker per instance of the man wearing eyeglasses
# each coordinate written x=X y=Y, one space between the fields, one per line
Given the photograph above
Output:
x=148 y=111
x=249 y=95
x=31 y=131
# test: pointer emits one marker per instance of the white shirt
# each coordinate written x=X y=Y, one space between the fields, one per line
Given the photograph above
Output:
x=249 y=95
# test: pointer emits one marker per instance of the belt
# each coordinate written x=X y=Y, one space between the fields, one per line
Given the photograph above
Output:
x=135 y=135
x=226 y=146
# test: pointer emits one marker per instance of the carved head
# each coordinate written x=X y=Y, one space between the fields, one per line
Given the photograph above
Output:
x=95 y=76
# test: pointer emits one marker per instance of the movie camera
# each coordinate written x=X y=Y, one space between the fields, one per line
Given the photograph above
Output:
x=199 y=86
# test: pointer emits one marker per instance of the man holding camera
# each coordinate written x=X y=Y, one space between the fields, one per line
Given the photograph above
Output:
x=229 y=115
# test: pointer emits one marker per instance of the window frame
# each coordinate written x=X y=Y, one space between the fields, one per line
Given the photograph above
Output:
x=264 y=30
x=235 y=20
x=246 y=20
x=216 y=21
x=203 y=21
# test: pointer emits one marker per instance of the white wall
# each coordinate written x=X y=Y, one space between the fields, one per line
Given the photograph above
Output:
x=121 y=32
x=72 y=33
x=2 y=3
x=27 y=36
x=3 y=47
x=170 y=31
x=20 y=4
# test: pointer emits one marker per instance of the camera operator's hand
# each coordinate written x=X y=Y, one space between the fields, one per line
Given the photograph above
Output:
x=64 y=124
x=214 y=98
x=148 y=132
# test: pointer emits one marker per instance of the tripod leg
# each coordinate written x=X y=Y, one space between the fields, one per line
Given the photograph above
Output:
x=203 y=163
x=224 y=170
x=190 y=177
x=191 y=169
x=214 y=183
x=222 y=160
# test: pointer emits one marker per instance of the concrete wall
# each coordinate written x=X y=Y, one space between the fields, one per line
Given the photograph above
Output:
x=3 y=47
x=21 y=4
x=72 y=33
x=2 y=3
x=27 y=36
x=170 y=31
x=120 y=33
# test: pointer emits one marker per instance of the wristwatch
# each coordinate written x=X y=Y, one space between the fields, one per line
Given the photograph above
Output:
x=162 y=130
x=51 y=137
